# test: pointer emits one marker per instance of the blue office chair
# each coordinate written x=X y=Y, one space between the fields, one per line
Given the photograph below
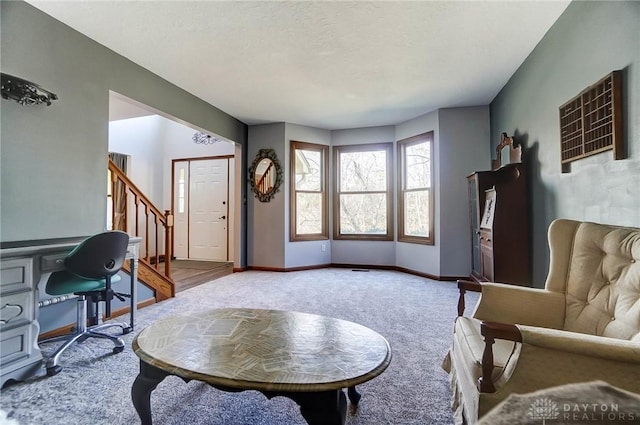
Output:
x=90 y=269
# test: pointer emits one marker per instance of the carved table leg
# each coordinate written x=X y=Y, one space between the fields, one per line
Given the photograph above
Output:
x=323 y=408
x=146 y=381
x=354 y=395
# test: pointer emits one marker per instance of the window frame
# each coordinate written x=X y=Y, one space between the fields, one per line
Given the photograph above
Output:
x=324 y=167
x=401 y=150
x=337 y=150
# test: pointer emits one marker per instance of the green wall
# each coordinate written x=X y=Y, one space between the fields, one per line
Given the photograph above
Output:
x=53 y=159
x=588 y=41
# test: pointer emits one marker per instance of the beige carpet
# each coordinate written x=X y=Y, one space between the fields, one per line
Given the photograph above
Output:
x=414 y=314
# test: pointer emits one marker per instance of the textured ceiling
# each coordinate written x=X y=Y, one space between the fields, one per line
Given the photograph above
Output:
x=324 y=64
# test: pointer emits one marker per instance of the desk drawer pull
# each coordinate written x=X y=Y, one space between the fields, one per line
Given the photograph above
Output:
x=8 y=312
x=52 y=263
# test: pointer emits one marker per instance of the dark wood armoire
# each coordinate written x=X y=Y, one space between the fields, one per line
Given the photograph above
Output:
x=499 y=219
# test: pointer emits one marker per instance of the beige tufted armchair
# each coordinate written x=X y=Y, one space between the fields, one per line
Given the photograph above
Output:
x=583 y=326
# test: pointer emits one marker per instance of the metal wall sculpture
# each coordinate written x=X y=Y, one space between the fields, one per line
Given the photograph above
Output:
x=25 y=92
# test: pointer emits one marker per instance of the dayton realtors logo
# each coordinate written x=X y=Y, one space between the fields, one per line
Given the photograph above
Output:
x=543 y=409
x=546 y=409
x=595 y=412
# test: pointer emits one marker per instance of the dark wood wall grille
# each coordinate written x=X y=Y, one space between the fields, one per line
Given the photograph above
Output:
x=591 y=122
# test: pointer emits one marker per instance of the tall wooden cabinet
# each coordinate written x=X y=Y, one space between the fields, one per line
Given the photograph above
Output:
x=499 y=220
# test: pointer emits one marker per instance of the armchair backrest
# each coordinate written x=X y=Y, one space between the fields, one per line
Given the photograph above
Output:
x=597 y=266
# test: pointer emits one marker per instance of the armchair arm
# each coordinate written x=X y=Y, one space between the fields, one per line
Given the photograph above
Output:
x=571 y=343
x=523 y=305
x=463 y=287
x=492 y=331
x=619 y=350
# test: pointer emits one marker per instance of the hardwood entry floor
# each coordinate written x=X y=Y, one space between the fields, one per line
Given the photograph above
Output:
x=189 y=273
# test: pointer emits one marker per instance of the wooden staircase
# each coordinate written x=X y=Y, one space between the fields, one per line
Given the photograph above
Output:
x=163 y=286
x=265 y=184
x=135 y=214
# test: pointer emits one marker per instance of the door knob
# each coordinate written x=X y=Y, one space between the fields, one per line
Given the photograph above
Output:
x=222 y=218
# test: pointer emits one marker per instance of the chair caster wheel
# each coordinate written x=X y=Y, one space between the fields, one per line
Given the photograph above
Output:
x=127 y=330
x=54 y=370
x=117 y=350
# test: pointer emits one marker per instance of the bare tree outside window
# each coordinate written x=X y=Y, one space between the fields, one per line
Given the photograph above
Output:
x=308 y=192
x=415 y=192
x=362 y=207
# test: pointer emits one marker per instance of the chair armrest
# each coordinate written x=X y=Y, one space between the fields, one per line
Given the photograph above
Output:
x=522 y=305
x=614 y=349
x=492 y=331
x=572 y=343
x=463 y=287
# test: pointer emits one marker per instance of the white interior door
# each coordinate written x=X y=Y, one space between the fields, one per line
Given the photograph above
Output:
x=208 y=209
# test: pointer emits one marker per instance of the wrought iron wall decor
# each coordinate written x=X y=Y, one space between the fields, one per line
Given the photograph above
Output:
x=204 y=139
x=25 y=92
x=265 y=175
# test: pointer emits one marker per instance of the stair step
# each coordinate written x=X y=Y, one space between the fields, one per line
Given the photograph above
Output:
x=188 y=274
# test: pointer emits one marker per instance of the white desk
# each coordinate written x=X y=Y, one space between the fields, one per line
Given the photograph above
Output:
x=22 y=265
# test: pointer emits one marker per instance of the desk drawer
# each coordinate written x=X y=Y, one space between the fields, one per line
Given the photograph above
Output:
x=52 y=262
x=16 y=274
x=17 y=344
x=16 y=309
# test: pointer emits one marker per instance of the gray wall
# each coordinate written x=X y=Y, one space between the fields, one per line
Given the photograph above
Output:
x=464 y=135
x=589 y=40
x=461 y=138
x=53 y=159
x=266 y=220
x=53 y=165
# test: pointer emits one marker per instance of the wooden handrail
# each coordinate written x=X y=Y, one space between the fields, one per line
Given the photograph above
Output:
x=262 y=183
x=163 y=219
x=115 y=171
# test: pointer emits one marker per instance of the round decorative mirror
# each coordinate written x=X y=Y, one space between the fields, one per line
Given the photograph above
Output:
x=265 y=175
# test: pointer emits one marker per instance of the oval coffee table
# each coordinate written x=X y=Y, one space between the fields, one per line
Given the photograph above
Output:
x=305 y=357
